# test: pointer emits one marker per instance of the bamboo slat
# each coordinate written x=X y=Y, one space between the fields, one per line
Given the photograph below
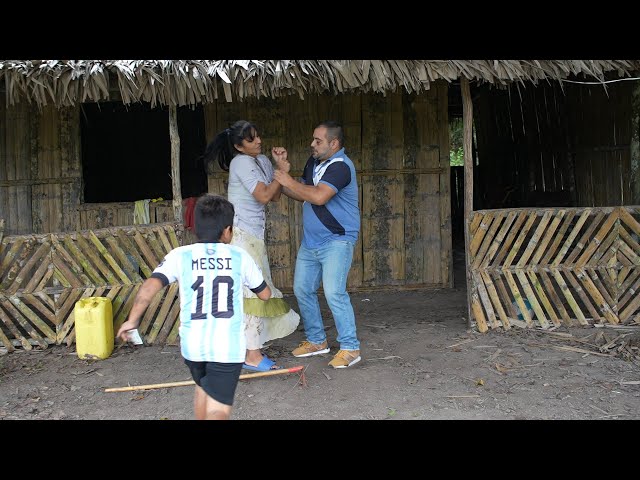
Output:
x=37 y=276
x=577 y=288
x=533 y=242
x=533 y=301
x=161 y=317
x=574 y=233
x=594 y=294
x=38 y=304
x=12 y=328
x=497 y=241
x=13 y=266
x=172 y=338
x=3 y=338
x=520 y=239
x=504 y=249
x=495 y=298
x=551 y=291
x=35 y=320
x=171 y=323
x=122 y=314
x=478 y=314
x=487 y=240
x=26 y=270
x=484 y=298
x=584 y=240
x=568 y=218
x=150 y=259
x=77 y=254
x=543 y=299
x=107 y=256
x=96 y=259
x=18 y=317
x=549 y=234
x=598 y=239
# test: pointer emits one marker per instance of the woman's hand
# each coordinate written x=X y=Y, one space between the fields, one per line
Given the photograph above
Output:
x=279 y=155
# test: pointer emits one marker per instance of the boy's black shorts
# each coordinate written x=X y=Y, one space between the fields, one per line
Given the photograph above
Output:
x=218 y=380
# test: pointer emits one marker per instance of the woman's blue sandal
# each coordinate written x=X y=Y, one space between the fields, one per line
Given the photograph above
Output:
x=264 y=366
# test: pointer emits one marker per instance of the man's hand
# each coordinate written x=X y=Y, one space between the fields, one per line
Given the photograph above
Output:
x=283 y=178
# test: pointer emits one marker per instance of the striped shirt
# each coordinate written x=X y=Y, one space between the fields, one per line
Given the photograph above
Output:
x=211 y=276
x=339 y=218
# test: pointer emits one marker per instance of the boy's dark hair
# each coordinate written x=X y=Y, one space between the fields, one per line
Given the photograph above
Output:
x=222 y=147
x=212 y=215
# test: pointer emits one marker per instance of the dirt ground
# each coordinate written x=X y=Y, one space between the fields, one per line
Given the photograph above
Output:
x=420 y=362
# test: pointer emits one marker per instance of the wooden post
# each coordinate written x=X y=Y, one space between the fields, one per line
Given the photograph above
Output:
x=175 y=163
x=635 y=145
x=467 y=129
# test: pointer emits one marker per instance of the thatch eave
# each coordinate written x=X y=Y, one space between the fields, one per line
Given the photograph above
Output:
x=192 y=82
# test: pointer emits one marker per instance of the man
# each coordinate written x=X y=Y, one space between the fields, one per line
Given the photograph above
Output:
x=331 y=223
x=211 y=275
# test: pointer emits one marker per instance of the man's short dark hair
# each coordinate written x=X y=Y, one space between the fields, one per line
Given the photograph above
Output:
x=334 y=130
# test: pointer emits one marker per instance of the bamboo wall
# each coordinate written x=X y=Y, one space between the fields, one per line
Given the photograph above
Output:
x=552 y=267
x=600 y=129
x=40 y=170
x=548 y=145
x=103 y=215
x=399 y=144
x=43 y=276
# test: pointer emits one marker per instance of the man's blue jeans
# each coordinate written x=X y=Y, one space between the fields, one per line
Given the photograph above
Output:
x=329 y=263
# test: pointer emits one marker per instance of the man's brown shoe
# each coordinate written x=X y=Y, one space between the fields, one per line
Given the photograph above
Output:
x=306 y=349
x=345 y=358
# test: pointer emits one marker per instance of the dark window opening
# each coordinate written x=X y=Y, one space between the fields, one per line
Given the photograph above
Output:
x=126 y=152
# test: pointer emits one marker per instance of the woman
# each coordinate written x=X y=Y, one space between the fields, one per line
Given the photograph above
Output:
x=238 y=150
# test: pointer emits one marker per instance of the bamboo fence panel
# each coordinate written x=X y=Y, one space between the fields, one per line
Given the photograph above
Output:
x=553 y=266
x=43 y=276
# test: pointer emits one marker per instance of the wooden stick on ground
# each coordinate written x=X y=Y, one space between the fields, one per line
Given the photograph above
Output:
x=246 y=376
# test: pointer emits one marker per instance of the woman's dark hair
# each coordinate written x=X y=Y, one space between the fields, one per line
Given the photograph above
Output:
x=213 y=213
x=222 y=147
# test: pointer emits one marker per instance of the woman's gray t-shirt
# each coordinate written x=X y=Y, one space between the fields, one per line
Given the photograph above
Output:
x=244 y=174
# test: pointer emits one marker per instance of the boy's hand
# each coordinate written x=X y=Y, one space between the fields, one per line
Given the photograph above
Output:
x=123 y=331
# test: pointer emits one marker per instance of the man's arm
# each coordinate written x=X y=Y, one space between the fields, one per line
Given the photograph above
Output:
x=290 y=194
x=267 y=193
x=316 y=194
x=147 y=291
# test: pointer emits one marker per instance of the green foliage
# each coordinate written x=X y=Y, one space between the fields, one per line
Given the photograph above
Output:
x=456 y=157
x=456 y=152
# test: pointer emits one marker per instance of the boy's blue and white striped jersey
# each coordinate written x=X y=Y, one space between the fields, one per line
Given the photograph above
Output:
x=211 y=276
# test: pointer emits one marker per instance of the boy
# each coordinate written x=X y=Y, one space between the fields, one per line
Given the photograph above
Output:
x=210 y=274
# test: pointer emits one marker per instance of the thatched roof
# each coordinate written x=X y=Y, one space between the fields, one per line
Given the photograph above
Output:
x=189 y=82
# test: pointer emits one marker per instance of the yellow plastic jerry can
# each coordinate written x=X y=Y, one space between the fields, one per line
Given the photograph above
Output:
x=94 y=327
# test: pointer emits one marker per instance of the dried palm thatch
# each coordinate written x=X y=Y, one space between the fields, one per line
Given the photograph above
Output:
x=190 y=82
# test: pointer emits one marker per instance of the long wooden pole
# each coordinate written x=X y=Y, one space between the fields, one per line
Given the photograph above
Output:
x=175 y=163
x=467 y=132
x=246 y=376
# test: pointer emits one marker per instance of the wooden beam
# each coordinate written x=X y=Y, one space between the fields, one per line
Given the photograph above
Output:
x=467 y=128
x=175 y=163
